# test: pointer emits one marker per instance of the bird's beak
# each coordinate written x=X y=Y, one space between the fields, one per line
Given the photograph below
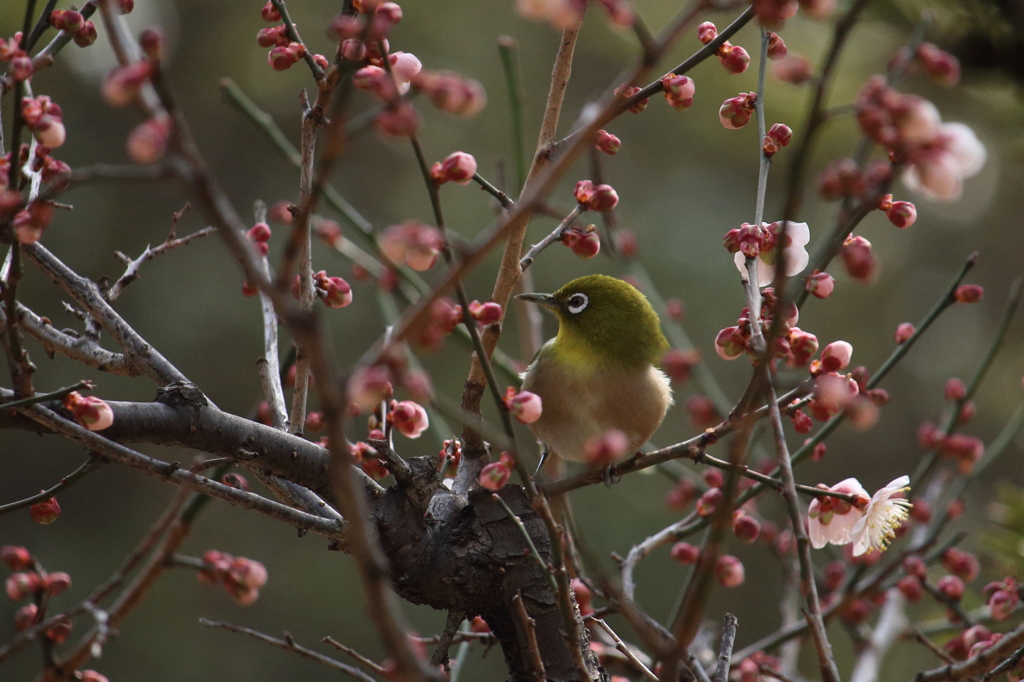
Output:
x=546 y=300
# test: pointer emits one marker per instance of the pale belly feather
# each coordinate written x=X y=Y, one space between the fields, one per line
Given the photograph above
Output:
x=579 y=407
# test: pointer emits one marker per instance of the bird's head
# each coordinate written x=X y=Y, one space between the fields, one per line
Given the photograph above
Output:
x=606 y=321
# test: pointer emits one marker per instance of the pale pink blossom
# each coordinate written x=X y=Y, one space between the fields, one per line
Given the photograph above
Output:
x=89 y=411
x=796 y=256
x=409 y=418
x=832 y=520
x=836 y=356
x=884 y=514
x=404 y=67
x=954 y=154
x=524 y=406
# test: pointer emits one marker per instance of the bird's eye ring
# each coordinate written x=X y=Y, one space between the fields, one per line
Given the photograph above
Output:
x=577 y=302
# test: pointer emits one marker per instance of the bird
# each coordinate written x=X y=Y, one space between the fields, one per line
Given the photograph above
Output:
x=600 y=372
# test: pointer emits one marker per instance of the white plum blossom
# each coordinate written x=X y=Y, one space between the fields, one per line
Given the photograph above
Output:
x=832 y=520
x=796 y=256
x=884 y=514
x=939 y=169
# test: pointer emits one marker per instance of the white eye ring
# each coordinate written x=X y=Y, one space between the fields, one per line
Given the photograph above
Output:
x=577 y=302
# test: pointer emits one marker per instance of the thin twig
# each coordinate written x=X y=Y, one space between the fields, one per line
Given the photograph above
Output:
x=529 y=626
x=377 y=668
x=132 y=272
x=729 y=624
x=90 y=465
x=555 y=236
x=626 y=651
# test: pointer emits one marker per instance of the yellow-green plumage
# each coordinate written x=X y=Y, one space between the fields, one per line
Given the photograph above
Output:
x=601 y=371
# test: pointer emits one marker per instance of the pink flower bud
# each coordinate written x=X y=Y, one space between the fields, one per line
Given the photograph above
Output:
x=494 y=476
x=86 y=36
x=836 y=356
x=734 y=58
x=776 y=47
x=368 y=386
x=584 y=243
x=260 y=232
x=745 y=527
x=485 y=313
x=282 y=58
x=387 y=14
x=713 y=478
x=270 y=13
x=626 y=92
x=459 y=167
x=89 y=411
x=677 y=363
x=404 y=67
x=962 y=564
x=910 y=587
x=606 y=448
x=955 y=390
x=415 y=243
x=779 y=136
x=338 y=293
x=400 y=120
x=56 y=583
x=353 y=50
x=859 y=260
x=25 y=617
x=943 y=67
x=606 y=142
x=709 y=501
x=126 y=6
x=479 y=625
x=92 y=675
x=409 y=418
x=122 y=84
x=729 y=571
x=902 y=214
x=152 y=42
x=1002 y=604
x=821 y=284
x=968 y=293
x=728 y=344
x=22 y=585
x=801 y=422
x=951 y=587
x=702 y=411
x=856 y=611
x=70 y=20
x=46 y=512
x=679 y=91
x=524 y=406
x=793 y=68
x=148 y=141
x=819 y=452
x=15 y=558
x=735 y=112
x=903 y=332
x=707 y=32
x=374 y=79
x=684 y=553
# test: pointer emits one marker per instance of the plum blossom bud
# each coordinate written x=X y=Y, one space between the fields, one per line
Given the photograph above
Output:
x=729 y=344
x=148 y=141
x=15 y=558
x=485 y=313
x=276 y=36
x=122 y=84
x=729 y=571
x=25 y=617
x=779 y=136
x=968 y=293
x=836 y=356
x=801 y=422
x=524 y=406
x=735 y=112
x=684 y=553
x=820 y=284
x=21 y=585
x=600 y=198
x=86 y=36
x=910 y=587
x=270 y=13
x=415 y=243
x=55 y=583
x=126 y=6
x=151 y=40
x=951 y=587
x=1002 y=598
x=606 y=448
x=793 y=68
x=943 y=67
x=679 y=91
x=733 y=57
x=45 y=119
x=903 y=332
x=902 y=214
x=404 y=67
x=707 y=32
x=607 y=143
x=709 y=501
x=713 y=478
x=776 y=47
x=387 y=15
x=353 y=50
x=59 y=633
x=745 y=527
x=409 y=418
x=400 y=120
x=962 y=564
x=67 y=20
x=584 y=243
x=46 y=512
x=452 y=93
x=260 y=232
x=459 y=167
x=955 y=390
x=338 y=292
x=495 y=475
x=89 y=411
x=368 y=386
x=628 y=91
x=30 y=224
x=860 y=262
x=283 y=57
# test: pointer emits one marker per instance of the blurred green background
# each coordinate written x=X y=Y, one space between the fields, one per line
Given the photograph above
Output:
x=683 y=182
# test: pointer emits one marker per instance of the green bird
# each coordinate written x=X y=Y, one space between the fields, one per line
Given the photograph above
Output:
x=601 y=371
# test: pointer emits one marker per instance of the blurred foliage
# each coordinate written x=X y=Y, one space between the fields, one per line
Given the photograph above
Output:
x=1006 y=541
x=684 y=181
